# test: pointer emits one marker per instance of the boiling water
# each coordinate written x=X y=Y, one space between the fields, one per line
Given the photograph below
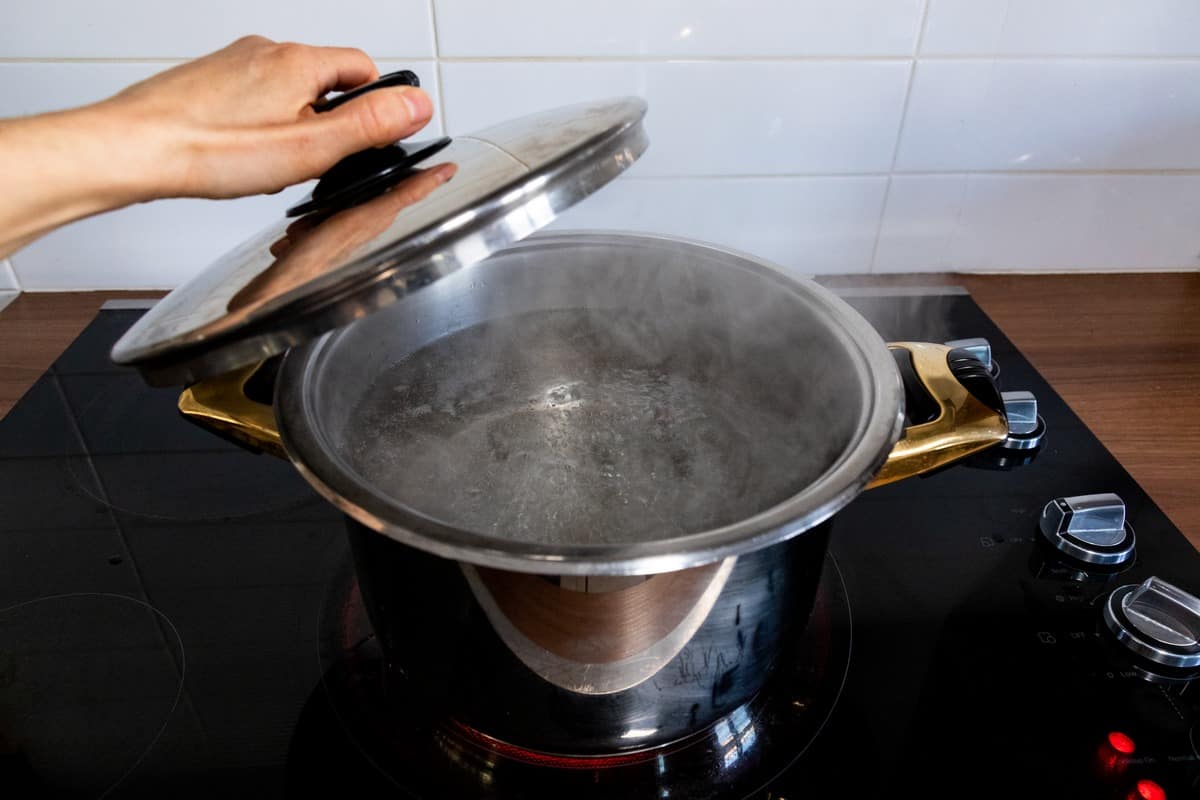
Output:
x=588 y=426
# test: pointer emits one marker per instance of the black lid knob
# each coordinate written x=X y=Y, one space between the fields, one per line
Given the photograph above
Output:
x=370 y=172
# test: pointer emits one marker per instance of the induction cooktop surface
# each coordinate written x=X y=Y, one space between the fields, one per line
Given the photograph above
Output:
x=180 y=617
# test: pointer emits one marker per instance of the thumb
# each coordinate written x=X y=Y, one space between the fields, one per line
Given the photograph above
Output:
x=372 y=120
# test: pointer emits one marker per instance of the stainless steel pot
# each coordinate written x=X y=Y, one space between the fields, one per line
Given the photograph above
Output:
x=600 y=465
x=587 y=473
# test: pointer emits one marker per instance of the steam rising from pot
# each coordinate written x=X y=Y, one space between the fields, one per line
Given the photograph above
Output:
x=598 y=394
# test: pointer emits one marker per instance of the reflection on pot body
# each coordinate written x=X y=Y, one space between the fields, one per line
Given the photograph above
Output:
x=531 y=662
x=597 y=642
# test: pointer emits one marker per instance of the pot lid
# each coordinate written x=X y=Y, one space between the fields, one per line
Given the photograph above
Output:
x=367 y=240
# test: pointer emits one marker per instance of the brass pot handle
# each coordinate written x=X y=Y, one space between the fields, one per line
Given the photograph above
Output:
x=949 y=394
x=954 y=405
x=221 y=405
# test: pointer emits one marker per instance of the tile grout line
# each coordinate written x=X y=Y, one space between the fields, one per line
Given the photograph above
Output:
x=437 y=65
x=887 y=187
x=692 y=57
x=679 y=58
x=118 y=60
x=919 y=173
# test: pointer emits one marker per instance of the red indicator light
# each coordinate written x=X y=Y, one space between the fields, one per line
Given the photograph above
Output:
x=1112 y=758
x=1149 y=790
x=1121 y=743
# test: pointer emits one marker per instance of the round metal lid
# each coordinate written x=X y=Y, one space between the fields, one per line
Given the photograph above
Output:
x=300 y=278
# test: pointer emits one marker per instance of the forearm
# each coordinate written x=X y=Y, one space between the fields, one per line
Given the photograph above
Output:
x=65 y=166
x=237 y=122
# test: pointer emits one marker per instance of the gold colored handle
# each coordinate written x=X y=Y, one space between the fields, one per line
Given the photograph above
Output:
x=964 y=424
x=221 y=405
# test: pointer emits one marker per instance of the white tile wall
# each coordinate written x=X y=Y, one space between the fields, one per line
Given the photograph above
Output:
x=757 y=28
x=1040 y=222
x=151 y=246
x=1062 y=27
x=710 y=118
x=127 y=29
x=1053 y=115
x=811 y=225
x=829 y=135
x=32 y=87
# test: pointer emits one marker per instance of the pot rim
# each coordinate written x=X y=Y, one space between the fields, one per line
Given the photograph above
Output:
x=881 y=422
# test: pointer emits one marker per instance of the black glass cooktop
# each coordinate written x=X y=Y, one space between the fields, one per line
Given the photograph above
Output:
x=172 y=608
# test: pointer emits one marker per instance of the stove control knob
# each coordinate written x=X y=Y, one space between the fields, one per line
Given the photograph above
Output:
x=980 y=348
x=1157 y=621
x=1025 y=427
x=1090 y=528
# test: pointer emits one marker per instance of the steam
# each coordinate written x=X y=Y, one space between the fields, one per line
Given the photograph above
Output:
x=601 y=393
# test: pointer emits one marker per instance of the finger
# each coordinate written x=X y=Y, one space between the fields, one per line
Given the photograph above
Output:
x=373 y=216
x=414 y=189
x=280 y=247
x=342 y=68
x=376 y=118
x=300 y=227
x=281 y=155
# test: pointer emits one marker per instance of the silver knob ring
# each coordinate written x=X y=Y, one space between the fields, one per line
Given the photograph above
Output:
x=1178 y=657
x=1026 y=441
x=1088 y=553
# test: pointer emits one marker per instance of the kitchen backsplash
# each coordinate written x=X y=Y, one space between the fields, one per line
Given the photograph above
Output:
x=830 y=136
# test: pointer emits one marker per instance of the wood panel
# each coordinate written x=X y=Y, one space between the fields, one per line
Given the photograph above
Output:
x=1122 y=350
x=36 y=328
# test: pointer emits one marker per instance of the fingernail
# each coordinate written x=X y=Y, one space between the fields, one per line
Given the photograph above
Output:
x=419 y=105
x=445 y=172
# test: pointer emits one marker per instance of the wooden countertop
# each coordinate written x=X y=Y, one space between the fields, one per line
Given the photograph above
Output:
x=1122 y=350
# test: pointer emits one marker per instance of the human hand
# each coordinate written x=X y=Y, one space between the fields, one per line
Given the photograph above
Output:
x=237 y=122
x=240 y=121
